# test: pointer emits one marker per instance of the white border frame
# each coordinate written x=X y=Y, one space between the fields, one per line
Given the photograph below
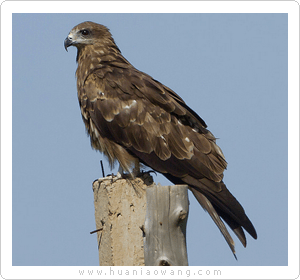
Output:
x=66 y=272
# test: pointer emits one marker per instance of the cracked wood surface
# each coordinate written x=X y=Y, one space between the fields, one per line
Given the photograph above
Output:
x=140 y=223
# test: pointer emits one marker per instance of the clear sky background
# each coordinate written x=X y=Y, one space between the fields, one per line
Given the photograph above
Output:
x=232 y=69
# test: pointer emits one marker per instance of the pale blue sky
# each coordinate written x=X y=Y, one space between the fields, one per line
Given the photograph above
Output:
x=230 y=68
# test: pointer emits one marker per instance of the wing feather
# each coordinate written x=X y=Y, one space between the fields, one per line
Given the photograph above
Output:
x=149 y=124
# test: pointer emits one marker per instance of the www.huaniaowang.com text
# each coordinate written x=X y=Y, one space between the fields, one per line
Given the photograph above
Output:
x=143 y=271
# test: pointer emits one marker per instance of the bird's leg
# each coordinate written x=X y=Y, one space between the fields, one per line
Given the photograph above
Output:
x=131 y=174
x=136 y=172
x=136 y=169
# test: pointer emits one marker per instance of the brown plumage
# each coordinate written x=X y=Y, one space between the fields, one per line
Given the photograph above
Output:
x=133 y=118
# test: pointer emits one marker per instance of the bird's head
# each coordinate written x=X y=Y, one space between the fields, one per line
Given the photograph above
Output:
x=87 y=33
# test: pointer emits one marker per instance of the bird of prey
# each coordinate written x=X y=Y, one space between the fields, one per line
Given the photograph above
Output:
x=133 y=118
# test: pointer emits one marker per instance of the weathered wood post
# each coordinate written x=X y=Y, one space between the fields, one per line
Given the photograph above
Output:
x=120 y=208
x=165 y=225
x=139 y=222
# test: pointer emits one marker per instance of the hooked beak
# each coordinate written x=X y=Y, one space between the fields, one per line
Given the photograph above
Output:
x=67 y=43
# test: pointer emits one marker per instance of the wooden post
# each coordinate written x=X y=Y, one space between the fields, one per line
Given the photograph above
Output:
x=165 y=225
x=120 y=209
x=123 y=232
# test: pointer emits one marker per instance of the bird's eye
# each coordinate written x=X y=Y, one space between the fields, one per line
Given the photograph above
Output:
x=85 y=32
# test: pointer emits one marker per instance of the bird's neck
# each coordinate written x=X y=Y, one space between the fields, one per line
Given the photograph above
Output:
x=88 y=59
x=94 y=57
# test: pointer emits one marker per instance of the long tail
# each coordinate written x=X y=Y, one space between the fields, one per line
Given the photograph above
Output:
x=224 y=205
x=205 y=203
